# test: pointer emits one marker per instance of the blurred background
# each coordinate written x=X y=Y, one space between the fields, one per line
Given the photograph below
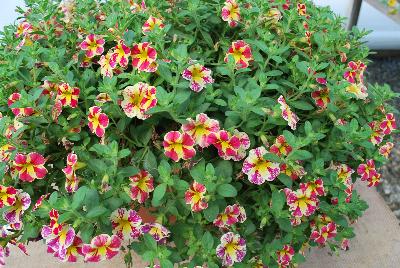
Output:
x=384 y=67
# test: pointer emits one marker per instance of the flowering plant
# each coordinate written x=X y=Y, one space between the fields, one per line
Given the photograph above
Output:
x=217 y=133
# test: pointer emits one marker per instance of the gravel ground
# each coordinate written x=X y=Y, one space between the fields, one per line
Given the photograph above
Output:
x=387 y=70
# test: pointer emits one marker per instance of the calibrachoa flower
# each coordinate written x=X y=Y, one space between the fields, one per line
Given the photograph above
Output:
x=157 y=231
x=244 y=142
x=374 y=180
x=126 y=223
x=72 y=181
x=226 y=144
x=231 y=249
x=194 y=197
x=321 y=97
x=108 y=64
x=13 y=214
x=58 y=243
x=231 y=12
x=39 y=201
x=178 y=146
x=301 y=9
x=23 y=29
x=321 y=234
x=259 y=169
x=280 y=147
x=274 y=14
x=68 y=95
x=30 y=166
x=241 y=53
x=388 y=124
x=301 y=202
x=120 y=55
x=143 y=55
x=377 y=133
x=354 y=72
x=314 y=188
x=344 y=173
x=151 y=23
x=285 y=255
x=98 y=121
x=102 y=247
x=5 y=152
x=141 y=186
x=18 y=111
x=367 y=170
x=72 y=252
x=231 y=215
x=7 y=195
x=345 y=244
x=200 y=129
x=49 y=88
x=287 y=113
x=294 y=172
x=198 y=75
x=93 y=45
x=138 y=99
x=384 y=150
x=359 y=90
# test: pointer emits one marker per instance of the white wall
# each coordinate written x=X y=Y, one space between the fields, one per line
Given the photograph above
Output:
x=7 y=11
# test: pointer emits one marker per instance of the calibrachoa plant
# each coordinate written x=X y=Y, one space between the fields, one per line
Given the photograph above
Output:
x=193 y=133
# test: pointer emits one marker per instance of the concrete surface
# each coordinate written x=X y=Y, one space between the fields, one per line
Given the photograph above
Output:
x=377 y=245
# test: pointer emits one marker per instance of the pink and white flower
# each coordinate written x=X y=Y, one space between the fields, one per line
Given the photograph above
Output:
x=231 y=215
x=231 y=12
x=285 y=256
x=200 y=129
x=102 y=247
x=231 y=249
x=13 y=214
x=199 y=76
x=385 y=149
x=138 y=99
x=388 y=124
x=126 y=224
x=367 y=170
x=98 y=121
x=157 y=231
x=141 y=186
x=287 y=113
x=301 y=202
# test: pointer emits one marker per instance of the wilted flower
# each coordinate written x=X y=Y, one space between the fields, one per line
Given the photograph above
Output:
x=5 y=152
x=198 y=75
x=194 y=197
x=143 y=55
x=241 y=53
x=385 y=149
x=231 y=215
x=157 y=231
x=274 y=14
x=178 y=146
x=126 y=224
x=28 y=111
x=141 y=186
x=98 y=121
x=359 y=90
x=138 y=99
x=231 y=249
x=287 y=113
x=49 y=88
x=321 y=97
x=30 y=166
x=231 y=12
x=93 y=45
x=103 y=98
x=102 y=247
x=13 y=213
x=107 y=64
x=151 y=23
x=120 y=55
x=259 y=169
x=301 y=202
x=68 y=95
x=285 y=255
x=280 y=147
x=200 y=129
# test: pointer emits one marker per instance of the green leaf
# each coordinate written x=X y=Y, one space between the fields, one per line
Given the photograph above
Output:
x=101 y=149
x=278 y=201
x=300 y=155
x=286 y=180
x=53 y=198
x=127 y=171
x=150 y=242
x=274 y=73
x=150 y=161
x=302 y=105
x=284 y=224
x=164 y=169
x=211 y=212
x=166 y=263
x=207 y=241
x=79 y=196
x=224 y=169
x=272 y=157
x=226 y=190
x=289 y=137
x=158 y=194
x=96 y=212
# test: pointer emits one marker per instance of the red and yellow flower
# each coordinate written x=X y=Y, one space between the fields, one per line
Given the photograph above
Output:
x=98 y=121
x=367 y=170
x=244 y=141
x=199 y=76
x=314 y=188
x=107 y=64
x=274 y=15
x=49 y=88
x=355 y=72
x=195 y=197
x=231 y=12
x=384 y=150
x=143 y=55
x=322 y=229
x=280 y=147
x=23 y=29
x=301 y=202
x=241 y=53
x=231 y=249
x=259 y=169
x=14 y=97
x=13 y=214
x=321 y=97
x=138 y=99
x=102 y=247
x=72 y=181
x=377 y=133
x=141 y=186
x=126 y=224
x=151 y=23
x=6 y=152
x=7 y=195
x=359 y=90
x=287 y=113
x=93 y=45
x=226 y=144
x=344 y=173
x=120 y=55
x=294 y=172
x=285 y=256
x=157 y=231
x=68 y=95
x=200 y=129
x=374 y=180
x=30 y=166
x=301 y=9
x=39 y=202
x=231 y=215
x=388 y=124
x=178 y=146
